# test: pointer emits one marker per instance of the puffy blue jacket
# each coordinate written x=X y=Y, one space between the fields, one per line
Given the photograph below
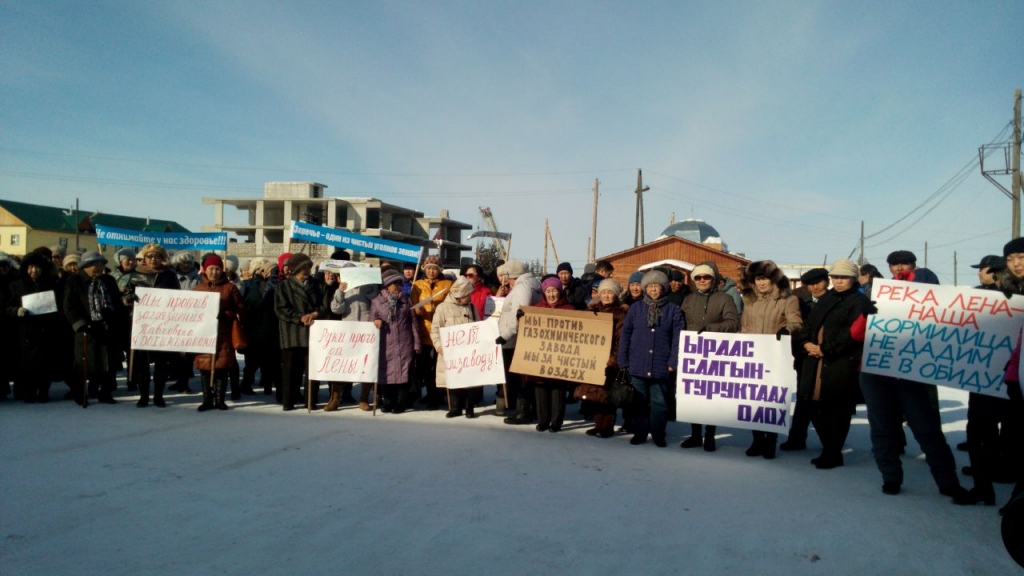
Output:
x=650 y=352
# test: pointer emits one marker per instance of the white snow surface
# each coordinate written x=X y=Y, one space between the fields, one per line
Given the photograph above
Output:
x=254 y=490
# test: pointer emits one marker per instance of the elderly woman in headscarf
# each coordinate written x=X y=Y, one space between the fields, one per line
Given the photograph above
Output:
x=456 y=309
x=549 y=393
x=392 y=314
x=649 y=349
x=595 y=398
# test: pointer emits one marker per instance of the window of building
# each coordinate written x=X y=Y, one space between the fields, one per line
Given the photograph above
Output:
x=15 y=239
x=372 y=218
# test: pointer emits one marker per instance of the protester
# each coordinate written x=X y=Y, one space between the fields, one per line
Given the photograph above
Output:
x=298 y=301
x=677 y=288
x=391 y=312
x=475 y=274
x=769 y=307
x=456 y=309
x=549 y=393
x=37 y=333
x=634 y=289
x=220 y=362
x=595 y=399
x=524 y=291
x=813 y=286
x=868 y=274
x=705 y=309
x=1012 y=283
x=427 y=293
x=575 y=291
x=353 y=305
x=649 y=348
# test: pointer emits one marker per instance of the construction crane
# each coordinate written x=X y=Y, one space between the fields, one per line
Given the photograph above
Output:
x=492 y=232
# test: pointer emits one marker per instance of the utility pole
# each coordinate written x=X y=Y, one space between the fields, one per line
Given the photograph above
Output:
x=638 y=227
x=954 y=268
x=593 y=227
x=546 y=245
x=860 y=260
x=78 y=224
x=1011 y=166
x=925 y=254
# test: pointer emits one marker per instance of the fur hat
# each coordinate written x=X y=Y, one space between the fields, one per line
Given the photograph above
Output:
x=432 y=261
x=92 y=257
x=901 y=257
x=213 y=260
x=611 y=285
x=764 y=269
x=844 y=268
x=552 y=282
x=390 y=277
x=461 y=288
x=299 y=263
x=341 y=255
x=637 y=276
x=1015 y=246
x=564 y=266
x=654 y=277
x=124 y=253
x=703 y=270
x=515 y=268
x=183 y=257
x=154 y=248
x=813 y=276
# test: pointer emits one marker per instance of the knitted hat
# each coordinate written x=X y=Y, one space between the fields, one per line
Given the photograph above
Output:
x=124 y=253
x=213 y=260
x=231 y=262
x=702 y=270
x=515 y=268
x=813 y=276
x=390 y=277
x=637 y=276
x=299 y=263
x=92 y=257
x=72 y=259
x=654 y=277
x=901 y=257
x=1015 y=246
x=564 y=266
x=432 y=261
x=183 y=257
x=552 y=282
x=843 y=267
x=611 y=285
x=461 y=288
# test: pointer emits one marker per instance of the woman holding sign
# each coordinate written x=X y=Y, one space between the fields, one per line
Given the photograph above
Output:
x=214 y=280
x=649 y=349
x=596 y=398
x=456 y=309
x=769 y=307
x=549 y=393
x=829 y=387
x=392 y=314
x=39 y=326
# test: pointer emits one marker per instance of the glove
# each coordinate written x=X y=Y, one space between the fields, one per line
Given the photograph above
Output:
x=699 y=332
x=1013 y=390
x=520 y=313
x=500 y=341
x=873 y=309
x=782 y=332
x=22 y=312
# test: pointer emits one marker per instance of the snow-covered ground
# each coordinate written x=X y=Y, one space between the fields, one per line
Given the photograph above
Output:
x=119 y=490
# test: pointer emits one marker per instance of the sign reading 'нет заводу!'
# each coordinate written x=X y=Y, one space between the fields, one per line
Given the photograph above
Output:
x=563 y=345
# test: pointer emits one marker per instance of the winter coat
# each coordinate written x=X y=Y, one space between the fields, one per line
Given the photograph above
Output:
x=711 y=312
x=618 y=311
x=292 y=301
x=41 y=337
x=231 y=307
x=730 y=290
x=448 y=313
x=576 y=293
x=188 y=280
x=399 y=338
x=526 y=292
x=770 y=312
x=479 y=298
x=430 y=290
x=354 y=304
x=260 y=319
x=835 y=377
x=146 y=277
x=96 y=342
x=651 y=352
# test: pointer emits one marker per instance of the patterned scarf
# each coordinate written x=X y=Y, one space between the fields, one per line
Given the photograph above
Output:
x=392 y=304
x=654 y=309
x=99 y=300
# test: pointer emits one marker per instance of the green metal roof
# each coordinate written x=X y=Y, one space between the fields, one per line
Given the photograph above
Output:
x=63 y=220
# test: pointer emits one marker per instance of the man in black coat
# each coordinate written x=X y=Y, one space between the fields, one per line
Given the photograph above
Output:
x=813 y=285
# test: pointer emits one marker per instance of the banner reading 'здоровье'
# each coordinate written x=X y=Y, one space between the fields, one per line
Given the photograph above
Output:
x=736 y=380
x=175 y=320
x=367 y=244
x=107 y=236
x=950 y=336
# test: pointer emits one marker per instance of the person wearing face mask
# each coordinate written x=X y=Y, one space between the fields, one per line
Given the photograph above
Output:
x=213 y=279
x=707 y=310
x=649 y=349
x=298 y=302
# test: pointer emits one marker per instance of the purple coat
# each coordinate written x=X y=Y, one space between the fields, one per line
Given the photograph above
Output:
x=399 y=339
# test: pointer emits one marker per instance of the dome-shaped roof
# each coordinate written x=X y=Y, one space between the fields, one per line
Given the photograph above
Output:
x=694 y=230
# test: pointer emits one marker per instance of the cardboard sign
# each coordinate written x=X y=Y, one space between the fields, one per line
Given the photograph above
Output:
x=470 y=356
x=736 y=380
x=563 y=344
x=39 y=303
x=944 y=335
x=343 y=351
x=175 y=320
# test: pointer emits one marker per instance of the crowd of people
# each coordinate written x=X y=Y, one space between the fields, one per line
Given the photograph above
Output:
x=267 y=308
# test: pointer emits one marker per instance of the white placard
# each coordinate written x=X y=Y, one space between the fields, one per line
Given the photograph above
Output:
x=736 y=380
x=39 y=303
x=343 y=351
x=492 y=306
x=470 y=356
x=357 y=276
x=944 y=335
x=175 y=320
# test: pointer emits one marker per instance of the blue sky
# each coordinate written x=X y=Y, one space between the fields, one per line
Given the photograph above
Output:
x=782 y=124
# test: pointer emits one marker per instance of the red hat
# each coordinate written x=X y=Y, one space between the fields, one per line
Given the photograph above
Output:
x=213 y=260
x=282 y=259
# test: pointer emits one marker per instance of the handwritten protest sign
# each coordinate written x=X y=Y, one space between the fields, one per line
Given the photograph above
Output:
x=175 y=320
x=945 y=335
x=343 y=351
x=736 y=380
x=563 y=344
x=470 y=356
x=39 y=303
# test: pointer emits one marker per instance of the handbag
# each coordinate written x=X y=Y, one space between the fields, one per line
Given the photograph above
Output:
x=620 y=389
x=239 y=341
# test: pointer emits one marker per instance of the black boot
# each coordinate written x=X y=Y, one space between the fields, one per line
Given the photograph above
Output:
x=521 y=416
x=220 y=393
x=696 y=438
x=346 y=394
x=158 y=396
x=770 y=441
x=709 y=438
x=143 y=395
x=470 y=410
x=207 y=396
x=757 y=446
